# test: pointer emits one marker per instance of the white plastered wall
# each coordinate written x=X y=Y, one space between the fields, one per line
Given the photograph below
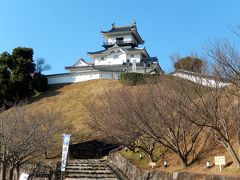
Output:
x=112 y=39
x=110 y=58
x=60 y=79
x=201 y=80
x=78 y=77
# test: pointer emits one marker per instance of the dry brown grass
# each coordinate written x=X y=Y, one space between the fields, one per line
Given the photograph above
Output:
x=176 y=166
x=71 y=101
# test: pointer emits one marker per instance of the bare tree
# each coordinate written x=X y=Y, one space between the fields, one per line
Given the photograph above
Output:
x=219 y=110
x=110 y=119
x=162 y=119
x=25 y=135
x=151 y=111
x=41 y=65
x=112 y=125
x=226 y=60
x=174 y=57
x=153 y=150
x=214 y=110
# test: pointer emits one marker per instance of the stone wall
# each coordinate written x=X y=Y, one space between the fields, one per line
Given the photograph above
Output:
x=134 y=173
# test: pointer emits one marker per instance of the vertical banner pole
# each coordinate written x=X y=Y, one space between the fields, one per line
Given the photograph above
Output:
x=65 y=147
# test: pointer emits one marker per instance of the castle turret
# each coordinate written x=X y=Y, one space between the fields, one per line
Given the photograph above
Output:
x=122 y=36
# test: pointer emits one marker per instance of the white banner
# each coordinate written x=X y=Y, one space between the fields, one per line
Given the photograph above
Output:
x=23 y=176
x=66 y=141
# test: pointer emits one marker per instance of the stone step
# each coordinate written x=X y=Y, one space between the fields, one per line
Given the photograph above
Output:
x=89 y=166
x=89 y=171
x=86 y=168
x=91 y=176
x=84 y=164
x=87 y=161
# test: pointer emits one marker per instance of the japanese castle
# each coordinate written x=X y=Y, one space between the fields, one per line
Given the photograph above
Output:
x=121 y=54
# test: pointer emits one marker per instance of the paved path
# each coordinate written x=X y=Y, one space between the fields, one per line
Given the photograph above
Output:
x=90 y=169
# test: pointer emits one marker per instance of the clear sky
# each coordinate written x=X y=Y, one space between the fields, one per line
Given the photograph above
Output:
x=62 y=31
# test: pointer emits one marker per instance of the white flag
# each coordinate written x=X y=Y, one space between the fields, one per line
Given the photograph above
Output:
x=66 y=141
x=23 y=176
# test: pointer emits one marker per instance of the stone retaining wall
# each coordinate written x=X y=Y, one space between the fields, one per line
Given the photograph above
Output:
x=134 y=173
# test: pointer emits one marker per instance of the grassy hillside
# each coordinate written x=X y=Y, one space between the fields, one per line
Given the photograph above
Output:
x=70 y=101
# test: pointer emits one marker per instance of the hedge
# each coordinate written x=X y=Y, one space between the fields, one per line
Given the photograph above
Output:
x=132 y=79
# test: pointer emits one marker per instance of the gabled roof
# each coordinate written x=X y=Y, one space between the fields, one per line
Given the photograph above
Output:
x=97 y=52
x=123 y=30
x=105 y=51
x=80 y=63
x=143 y=50
x=115 y=29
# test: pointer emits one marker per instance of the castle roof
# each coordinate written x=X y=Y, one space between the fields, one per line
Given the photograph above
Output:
x=127 y=50
x=132 y=29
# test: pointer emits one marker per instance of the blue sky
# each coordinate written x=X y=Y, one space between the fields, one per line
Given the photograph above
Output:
x=62 y=31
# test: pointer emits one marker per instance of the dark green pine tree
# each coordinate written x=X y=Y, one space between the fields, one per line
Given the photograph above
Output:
x=22 y=72
x=19 y=77
x=5 y=73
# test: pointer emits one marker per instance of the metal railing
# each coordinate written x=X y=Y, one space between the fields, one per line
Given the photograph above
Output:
x=119 y=42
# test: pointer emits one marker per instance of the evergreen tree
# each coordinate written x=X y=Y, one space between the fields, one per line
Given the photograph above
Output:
x=5 y=72
x=19 y=75
x=22 y=72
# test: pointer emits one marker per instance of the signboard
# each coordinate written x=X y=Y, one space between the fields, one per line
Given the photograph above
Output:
x=66 y=141
x=152 y=164
x=23 y=176
x=219 y=160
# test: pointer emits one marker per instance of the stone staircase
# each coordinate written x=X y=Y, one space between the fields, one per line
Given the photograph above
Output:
x=90 y=169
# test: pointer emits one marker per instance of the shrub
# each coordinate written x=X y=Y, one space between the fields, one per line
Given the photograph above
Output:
x=132 y=79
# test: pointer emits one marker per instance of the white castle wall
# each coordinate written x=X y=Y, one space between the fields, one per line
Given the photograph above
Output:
x=200 y=80
x=110 y=60
x=60 y=79
x=122 y=58
x=73 y=78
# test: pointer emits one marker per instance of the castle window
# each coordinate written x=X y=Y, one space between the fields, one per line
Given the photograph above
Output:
x=119 y=40
x=102 y=58
x=132 y=55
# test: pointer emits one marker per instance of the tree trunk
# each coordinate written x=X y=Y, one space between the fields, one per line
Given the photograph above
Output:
x=233 y=154
x=184 y=161
x=18 y=171
x=152 y=157
x=11 y=170
x=3 y=171
x=238 y=124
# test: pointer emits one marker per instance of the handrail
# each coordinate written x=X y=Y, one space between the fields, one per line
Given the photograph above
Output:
x=105 y=43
